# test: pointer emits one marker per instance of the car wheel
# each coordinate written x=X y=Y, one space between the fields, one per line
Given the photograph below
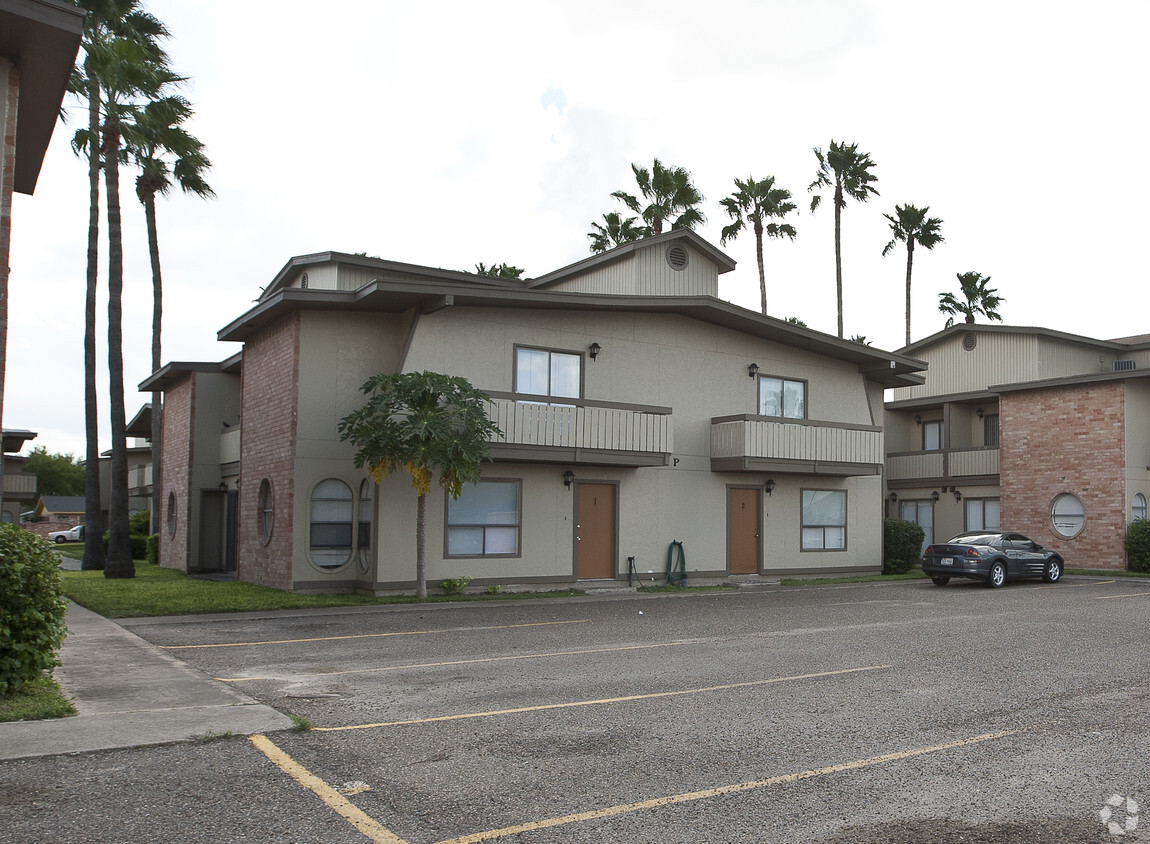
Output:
x=1053 y=571
x=939 y=580
x=997 y=575
x=59 y=540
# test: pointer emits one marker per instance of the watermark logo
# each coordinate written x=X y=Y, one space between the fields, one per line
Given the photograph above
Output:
x=1120 y=814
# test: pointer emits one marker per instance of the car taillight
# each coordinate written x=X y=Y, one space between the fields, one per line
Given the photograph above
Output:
x=972 y=552
x=929 y=550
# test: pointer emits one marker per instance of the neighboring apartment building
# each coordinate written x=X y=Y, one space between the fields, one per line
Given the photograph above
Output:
x=637 y=408
x=20 y=487
x=1026 y=429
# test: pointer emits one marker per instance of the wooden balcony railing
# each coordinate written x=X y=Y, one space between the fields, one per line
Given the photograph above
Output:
x=761 y=443
x=946 y=463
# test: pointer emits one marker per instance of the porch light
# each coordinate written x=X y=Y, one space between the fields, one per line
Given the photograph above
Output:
x=934 y=495
x=917 y=419
x=769 y=486
x=568 y=478
x=753 y=370
x=594 y=349
x=979 y=412
x=957 y=495
x=893 y=496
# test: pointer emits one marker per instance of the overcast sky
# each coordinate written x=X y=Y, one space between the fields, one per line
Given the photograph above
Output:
x=449 y=133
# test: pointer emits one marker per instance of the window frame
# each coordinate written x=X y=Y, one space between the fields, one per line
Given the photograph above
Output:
x=991 y=423
x=1066 y=497
x=931 y=424
x=364 y=527
x=804 y=527
x=515 y=376
x=266 y=510
x=968 y=502
x=1135 y=516
x=783 y=381
x=312 y=522
x=172 y=520
x=448 y=525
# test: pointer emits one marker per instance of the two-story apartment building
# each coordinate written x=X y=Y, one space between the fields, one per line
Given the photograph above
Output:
x=1027 y=429
x=636 y=409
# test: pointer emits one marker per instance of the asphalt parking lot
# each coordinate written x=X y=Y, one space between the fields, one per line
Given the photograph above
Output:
x=897 y=712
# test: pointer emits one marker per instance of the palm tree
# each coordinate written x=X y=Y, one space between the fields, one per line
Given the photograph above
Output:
x=156 y=135
x=669 y=195
x=758 y=201
x=424 y=423
x=911 y=226
x=848 y=171
x=977 y=298
x=104 y=20
x=615 y=231
x=498 y=270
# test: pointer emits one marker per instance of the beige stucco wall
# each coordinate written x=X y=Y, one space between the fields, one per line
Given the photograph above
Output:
x=1137 y=440
x=697 y=369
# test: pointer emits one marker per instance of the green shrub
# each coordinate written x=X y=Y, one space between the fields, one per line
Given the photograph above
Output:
x=31 y=608
x=138 y=523
x=1138 y=545
x=137 y=545
x=454 y=585
x=154 y=549
x=901 y=545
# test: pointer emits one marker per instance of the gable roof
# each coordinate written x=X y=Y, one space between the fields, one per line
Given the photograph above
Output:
x=1121 y=345
x=68 y=504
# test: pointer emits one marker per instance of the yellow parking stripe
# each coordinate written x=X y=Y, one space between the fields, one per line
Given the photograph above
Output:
x=624 y=699
x=657 y=802
x=1131 y=595
x=372 y=635
x=340 y=804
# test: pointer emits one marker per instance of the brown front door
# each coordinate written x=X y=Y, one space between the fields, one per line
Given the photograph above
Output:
x=743 y=510
x=594 y=531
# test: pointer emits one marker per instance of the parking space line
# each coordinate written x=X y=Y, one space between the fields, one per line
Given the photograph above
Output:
x=336 y=801
x=371 y=635
x=627 y=808
x=601 y=702
x=1130 y=595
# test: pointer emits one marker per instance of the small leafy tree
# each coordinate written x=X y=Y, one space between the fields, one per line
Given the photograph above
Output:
x=1138 y=545
x=901 y=545
x=31 y=608
x=427 y=424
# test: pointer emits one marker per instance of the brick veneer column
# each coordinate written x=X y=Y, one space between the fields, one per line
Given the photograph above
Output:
x=1066 y=439
x=176 y=473
x=268 y=399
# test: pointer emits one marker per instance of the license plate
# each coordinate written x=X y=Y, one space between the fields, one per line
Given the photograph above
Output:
x=946 y=561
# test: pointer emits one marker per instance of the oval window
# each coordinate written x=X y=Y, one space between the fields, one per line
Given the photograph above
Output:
x=171 y=514
x=267 y=510
x=1067 y=515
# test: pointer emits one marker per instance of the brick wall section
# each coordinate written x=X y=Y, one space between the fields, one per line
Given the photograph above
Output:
x=1059 y=440
x=176 y=472
x=269 y=399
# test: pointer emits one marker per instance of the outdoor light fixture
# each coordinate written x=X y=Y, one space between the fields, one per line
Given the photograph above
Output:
x=769 y=486
x=568 y=477
x=594 y=349
x=223 y=486
x=917 y=419
x=979 y=412
x=957 y=495
x=894 y=496
x=753 y=370
x=934 y=495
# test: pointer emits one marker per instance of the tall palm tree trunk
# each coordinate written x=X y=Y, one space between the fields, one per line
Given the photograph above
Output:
x=93 y=511
x=157 y=320
x=762 y=272
x=420 y=561
x=120 y=563
x=839 y=255
x=909 y=264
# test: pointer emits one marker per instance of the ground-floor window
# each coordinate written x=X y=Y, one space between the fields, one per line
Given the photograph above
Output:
x=1138 y=508
x=332 y=511
x=484 y=521
x=983 y=514
x=824 y=519
x=363 y=525
x=922 y=514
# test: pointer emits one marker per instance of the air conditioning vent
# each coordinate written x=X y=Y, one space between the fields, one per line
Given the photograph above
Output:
x=1123 y=365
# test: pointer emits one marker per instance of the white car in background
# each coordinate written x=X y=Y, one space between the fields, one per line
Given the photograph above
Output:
x=75 y=534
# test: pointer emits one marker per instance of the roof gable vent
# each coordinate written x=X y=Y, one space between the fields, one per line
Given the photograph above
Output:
x=1123 y=365
x=677 y=257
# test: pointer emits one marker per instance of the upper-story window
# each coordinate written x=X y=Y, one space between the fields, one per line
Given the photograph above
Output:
x=782 y=397
x=540 y=372
x=990 y=430
x=932 y=436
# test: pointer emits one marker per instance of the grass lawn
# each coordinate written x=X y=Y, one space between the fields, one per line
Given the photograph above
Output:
x=159 y=591
x=35 y=701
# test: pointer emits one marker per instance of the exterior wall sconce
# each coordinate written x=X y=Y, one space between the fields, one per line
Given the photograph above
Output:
x=934 y=495
x=568 y=478
x=223 y=487
x=594 y=349
x=769 y=486
x=893 y=496
x=957 y=495
x=917 y=419
x=979 y=412
x=753 y=370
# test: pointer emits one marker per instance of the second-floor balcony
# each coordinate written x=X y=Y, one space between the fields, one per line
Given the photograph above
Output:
x=19 y=485
x=943 y=464
x=747 y=443
x=537 y=429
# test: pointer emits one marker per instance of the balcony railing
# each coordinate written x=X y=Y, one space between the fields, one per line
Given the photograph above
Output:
x=947 y=463
x=18 y=484
x=582 y=431
x=140 y=477
x=759 y=443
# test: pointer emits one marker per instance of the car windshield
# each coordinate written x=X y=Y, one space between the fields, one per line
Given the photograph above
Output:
x=975 y=539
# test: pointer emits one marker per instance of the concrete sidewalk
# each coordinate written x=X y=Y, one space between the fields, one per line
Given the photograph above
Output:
x=130 y=693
